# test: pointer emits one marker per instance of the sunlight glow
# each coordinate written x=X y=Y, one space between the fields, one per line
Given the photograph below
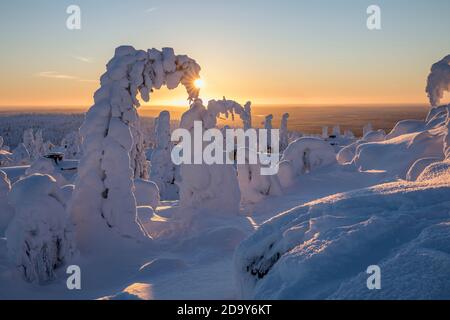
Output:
x=199 y=83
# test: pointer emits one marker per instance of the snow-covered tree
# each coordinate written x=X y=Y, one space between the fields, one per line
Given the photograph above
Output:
x=163 y=170
x=325 y=132
x=6 y=212
x=20 y=155
x=284 y=139
x=40 y=237
x=209 y=186
x=103 y=198
x=367 y=128
x=71 y=144
x=337 y=131
x=268 y=126
x=438 y=81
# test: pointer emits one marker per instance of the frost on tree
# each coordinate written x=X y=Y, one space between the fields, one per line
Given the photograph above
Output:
x=209 y=186
x=284 y=140
x=103 y=198
x=40 y=237
x=163 y=170
x=438 y=81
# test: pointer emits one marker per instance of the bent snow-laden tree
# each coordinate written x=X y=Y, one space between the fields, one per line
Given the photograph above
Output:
x=103 y=195
x=210 y=186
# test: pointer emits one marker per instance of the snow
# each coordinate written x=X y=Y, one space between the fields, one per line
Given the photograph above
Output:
x=438 y=80
x=40 y=237
x=163 y=171
x=336 y=206
x=113 y=152
x=6 y=212
x=146 y=193
x=307 y=154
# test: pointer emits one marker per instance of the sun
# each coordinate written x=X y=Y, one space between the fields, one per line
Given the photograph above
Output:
x=199 y=83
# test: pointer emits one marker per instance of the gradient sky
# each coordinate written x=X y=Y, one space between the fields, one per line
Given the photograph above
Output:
x=272 y=52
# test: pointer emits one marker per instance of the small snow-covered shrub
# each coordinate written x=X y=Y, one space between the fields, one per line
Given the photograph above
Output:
x=6 y=212
x=40 y=237
x=146 y=193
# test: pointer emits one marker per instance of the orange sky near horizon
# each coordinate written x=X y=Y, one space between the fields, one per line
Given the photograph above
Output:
x=297 y=53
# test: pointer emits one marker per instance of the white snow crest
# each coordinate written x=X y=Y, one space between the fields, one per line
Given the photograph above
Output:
x=438 y=80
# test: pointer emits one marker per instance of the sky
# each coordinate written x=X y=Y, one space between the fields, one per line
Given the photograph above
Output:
x=269 y=52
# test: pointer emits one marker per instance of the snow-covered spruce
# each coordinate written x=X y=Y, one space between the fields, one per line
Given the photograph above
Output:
x=347 y=153
x=438 y=80
x=210 y=187
x=284 y=140
x=103 y=198
x=6 y=212
x=303 y=156
x=47 y=166
x=322 y=249
x=40 y=237
x=163 y=171
x=20 y=155
x=71 y=143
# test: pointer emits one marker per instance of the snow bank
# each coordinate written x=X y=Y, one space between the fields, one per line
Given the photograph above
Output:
x=40 y=238
x=113 y=154
x=6 y=212
x=407 y=143
x=438 y=80
x=319 y=250
x=211 y=187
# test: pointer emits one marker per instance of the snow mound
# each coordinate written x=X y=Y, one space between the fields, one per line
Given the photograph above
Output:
x=308 y=154
x=399 y=153
x=146 y=193
x=254 y=186
x=40 y=237
x=311 y=251
x=47 y=166
x=6 y=212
